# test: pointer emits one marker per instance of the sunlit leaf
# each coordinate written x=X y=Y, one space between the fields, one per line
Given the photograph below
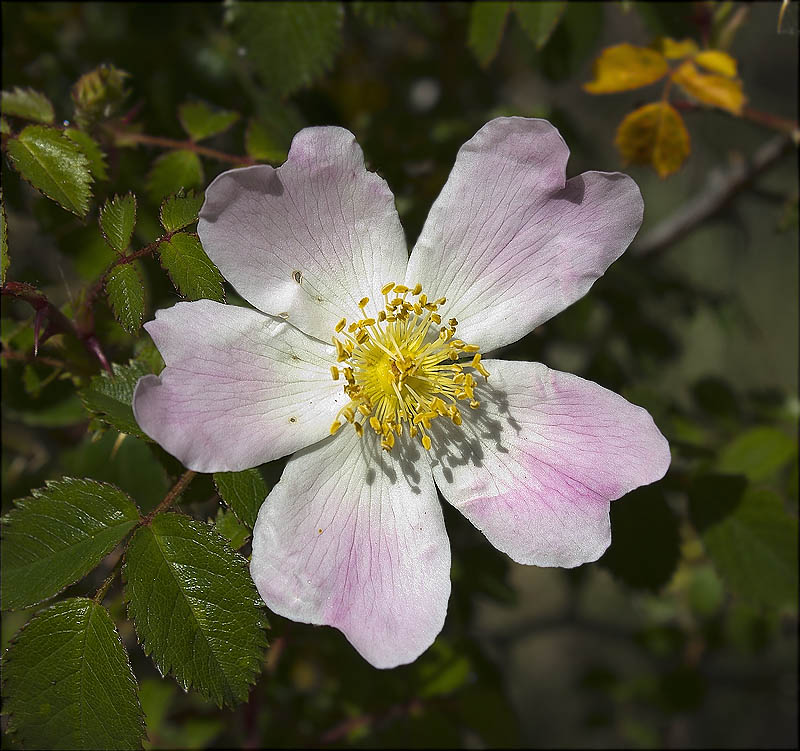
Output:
x=180 y=210
x=195 y=607
x=290 y=43
x=27 y=104
x=486 y=23
x=173 y=171
x=92 y=151
x=654 y=134
x=201 y=121
x=243 y=492
x=67 y=682
x=57 y=535
x=126 y=296
x=673 y=50
x=5 y=128
x=624 y=67
x=757 y=453
x=117 y=220
x=190 y=269
x=711 y=88
x=231 y=528
x=717 y=61
x=108 y=398
x=53 y=164
x=539 y=19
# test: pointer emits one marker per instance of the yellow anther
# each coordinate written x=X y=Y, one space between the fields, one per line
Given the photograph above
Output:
x=405 y=372
x=335 y=427
x=474 y=404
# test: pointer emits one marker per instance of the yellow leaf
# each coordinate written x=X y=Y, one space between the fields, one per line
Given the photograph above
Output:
x=710 y=88
x=625 y=67
x=673 y=50
x=654 y=134
x=717 y=62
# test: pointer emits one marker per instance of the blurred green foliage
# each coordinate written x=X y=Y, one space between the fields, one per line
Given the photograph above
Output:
x=684 y=634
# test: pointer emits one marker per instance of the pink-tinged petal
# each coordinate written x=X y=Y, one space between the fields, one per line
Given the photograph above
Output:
x=309 y=239
x=239 y=388
x=353 y=537
x=536 y=466
x=508 y=243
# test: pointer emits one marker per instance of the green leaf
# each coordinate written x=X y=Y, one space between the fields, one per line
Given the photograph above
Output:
x=194 y=606
x=291 y=44
x=57 y=535
x=117 y=220
x=244 y=492
x=54 y=165
x=262 y=144
x=540 y=19
x=97 y=159
x=201 y=121
x=231 y=528
x=126 y=296
x=645 y=542
x=180 y=210
x=757 y=453
x=173 y=171
x=67 y=681
x=190 y=269
x=5 y=259
x=754 y=548
x=109 y=398
x=486 y=23
x=27 y=104
x=5 y=128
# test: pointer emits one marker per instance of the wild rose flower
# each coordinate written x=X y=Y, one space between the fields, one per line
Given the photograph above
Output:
x=368 y=363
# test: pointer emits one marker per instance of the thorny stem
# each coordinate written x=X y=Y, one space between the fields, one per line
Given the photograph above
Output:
x=57 y=322
x=124 y=138
x=170 y=497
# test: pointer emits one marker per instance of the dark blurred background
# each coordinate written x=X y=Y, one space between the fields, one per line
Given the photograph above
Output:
x=657 y=645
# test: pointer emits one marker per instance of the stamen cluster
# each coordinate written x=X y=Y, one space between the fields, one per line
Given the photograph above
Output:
x=400 y=368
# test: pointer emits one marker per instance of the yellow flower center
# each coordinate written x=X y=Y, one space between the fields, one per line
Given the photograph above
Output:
x=403 y=367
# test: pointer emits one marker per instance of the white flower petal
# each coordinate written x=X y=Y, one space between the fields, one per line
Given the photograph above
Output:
x=353 y=537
